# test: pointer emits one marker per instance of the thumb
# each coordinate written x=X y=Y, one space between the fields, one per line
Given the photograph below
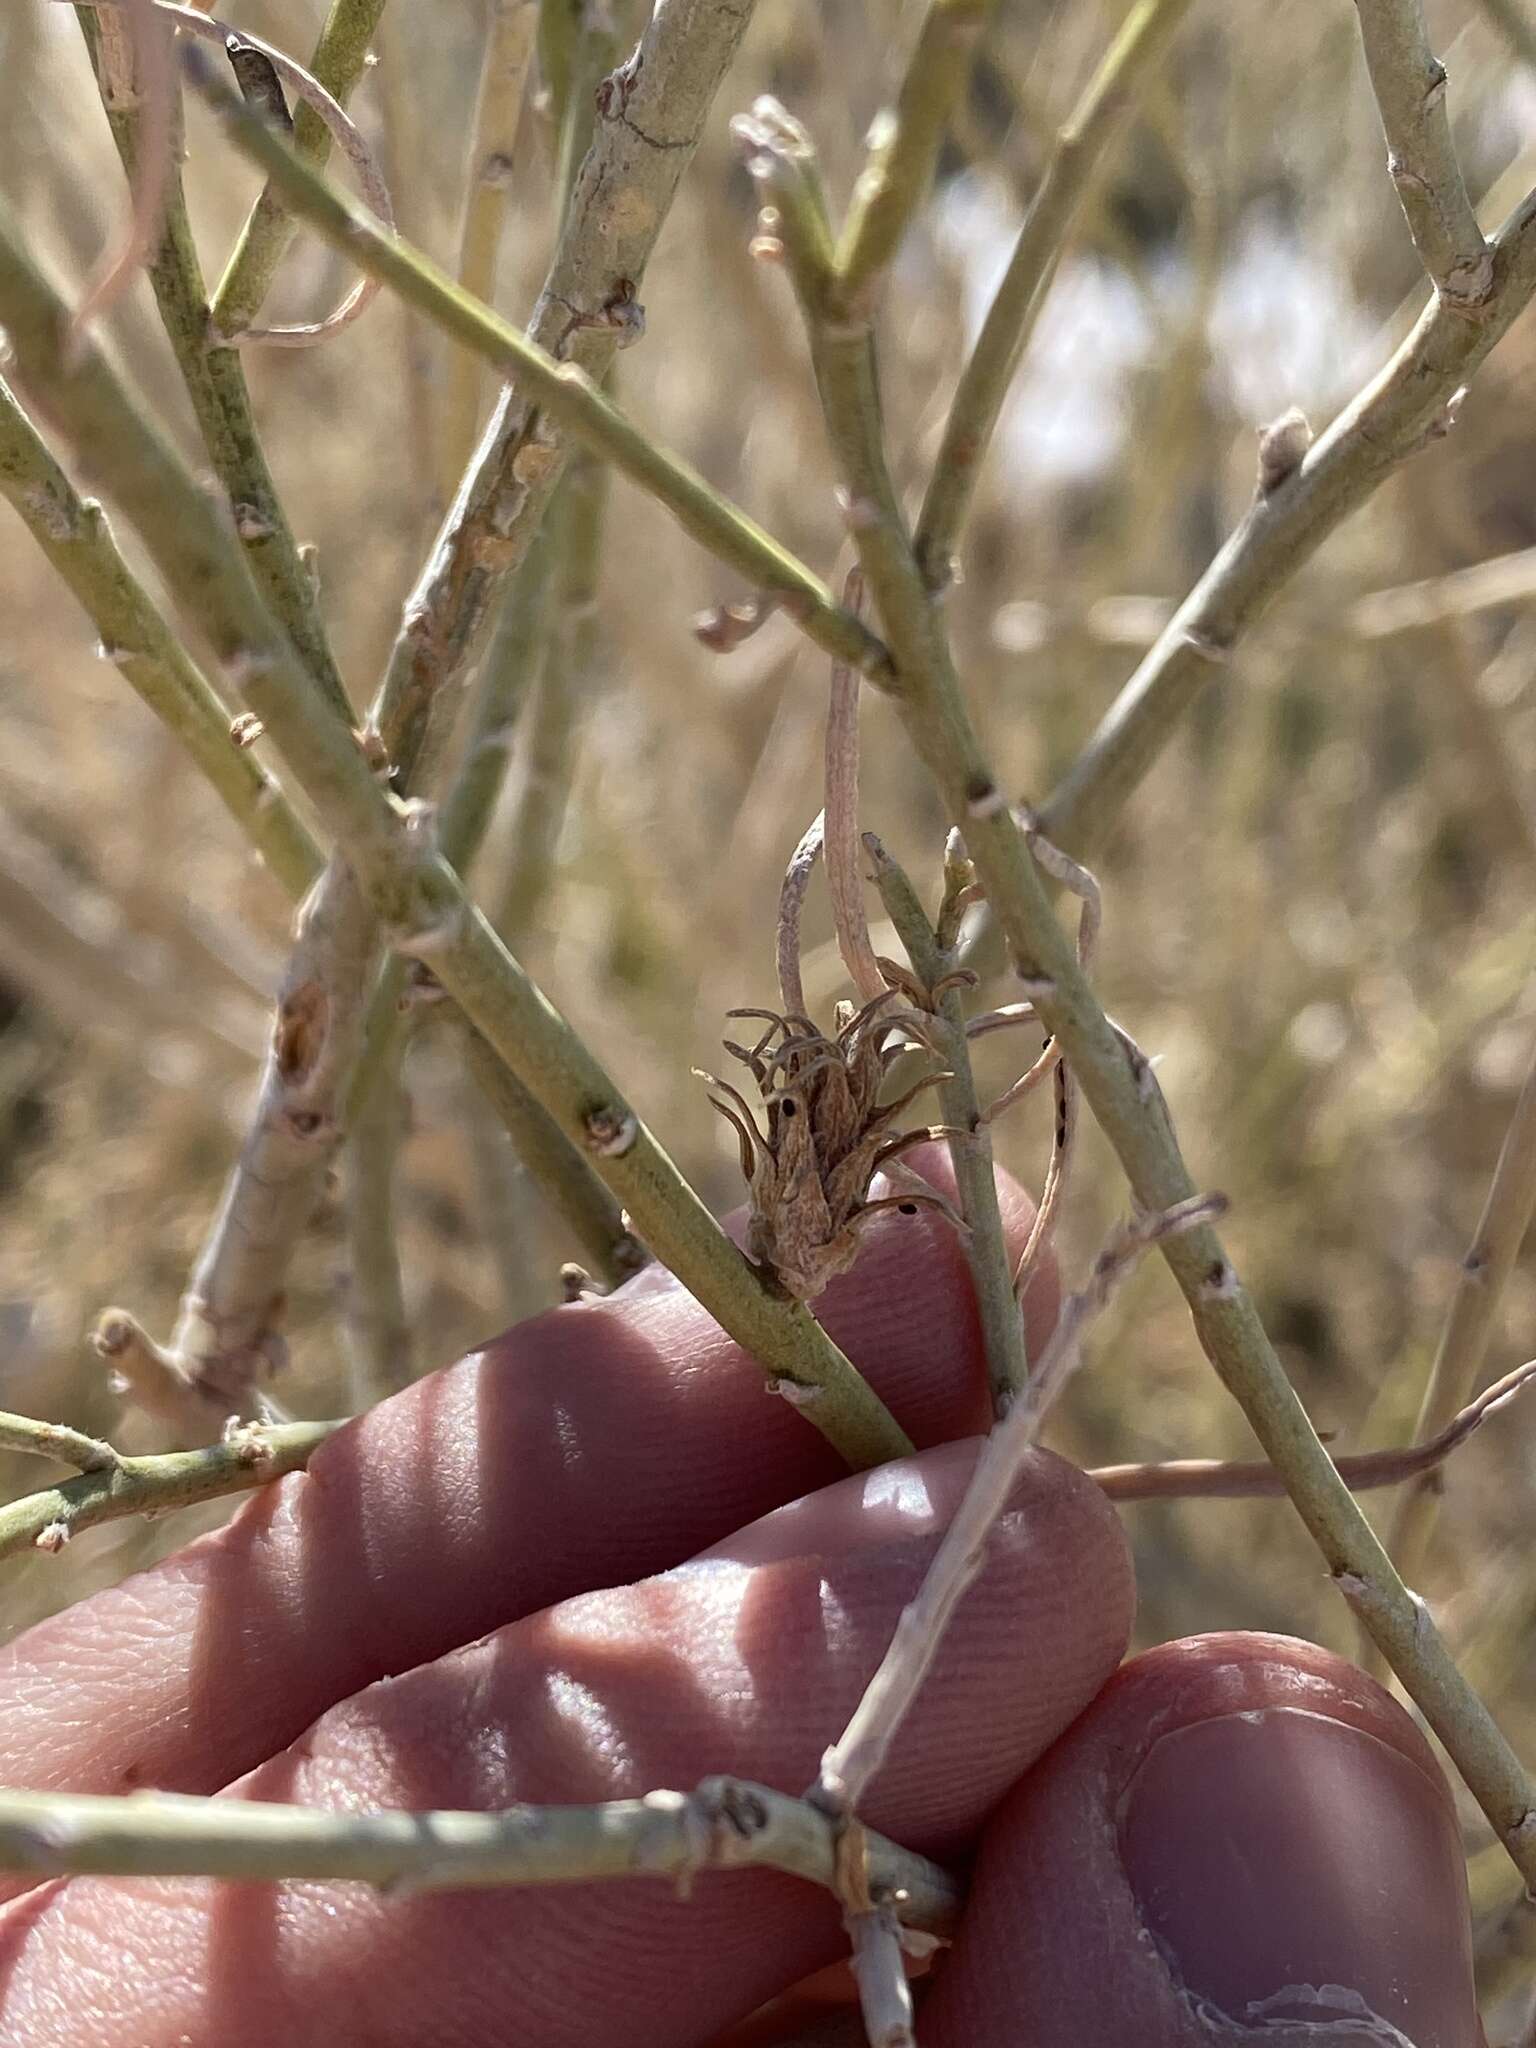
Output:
x=1242 y=1831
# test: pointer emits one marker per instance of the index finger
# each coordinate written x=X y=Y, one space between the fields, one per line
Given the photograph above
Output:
x=599 y=1443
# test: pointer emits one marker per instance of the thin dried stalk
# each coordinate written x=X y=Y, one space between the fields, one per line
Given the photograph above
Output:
x=856 y=1757
x=797 y=879
x=724 y=1824
x=1224 y=1479
x=1406 y=607
x=334 y=119
x=340 y=55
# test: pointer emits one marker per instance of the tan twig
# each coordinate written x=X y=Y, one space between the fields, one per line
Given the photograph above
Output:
x=797 y=879
x=1231 y=1479
x=1485 y=586
x=879 y=1967
x=1084 y=885
x=854 y=1759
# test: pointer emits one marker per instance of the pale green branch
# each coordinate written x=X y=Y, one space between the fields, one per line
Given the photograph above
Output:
x=1402 y=408
x=564 y=390
x=215 y=381
x=1092 y=129
x=586 y=1208
x=154 y=1485
x=970 y=1143
x=1122 y=1090
x=904 y=146
x=725 y=1824
x=1409 y=83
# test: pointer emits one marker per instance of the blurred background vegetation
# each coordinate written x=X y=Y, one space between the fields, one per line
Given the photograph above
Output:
x=1321 y=905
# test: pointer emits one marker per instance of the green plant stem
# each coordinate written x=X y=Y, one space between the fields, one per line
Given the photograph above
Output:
x=1409 y=84
x=1093 y=127
x=1463 y=1347
x=727 y=1823
x=562 y=389
x=141 y=1486
x=1393 y=417
x=54 y=1440
x=574 y=526
x=74 y=535
x=1123 y=1094
x=424 y=910
x=340 y=54
x=586 y=1208
x=508 y=675
x=904 y=147
x=215 y=381
x=970 y=1145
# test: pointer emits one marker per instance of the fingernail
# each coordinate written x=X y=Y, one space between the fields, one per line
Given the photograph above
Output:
x=1291 y=1867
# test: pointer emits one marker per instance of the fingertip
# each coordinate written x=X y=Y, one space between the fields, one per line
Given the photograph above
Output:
x=1241 y=1831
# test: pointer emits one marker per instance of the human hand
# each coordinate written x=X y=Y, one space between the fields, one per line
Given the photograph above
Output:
x=1220 y=1821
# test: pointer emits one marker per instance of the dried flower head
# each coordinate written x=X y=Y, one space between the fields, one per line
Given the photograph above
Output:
x=827 y=1131
x=828 y=1134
